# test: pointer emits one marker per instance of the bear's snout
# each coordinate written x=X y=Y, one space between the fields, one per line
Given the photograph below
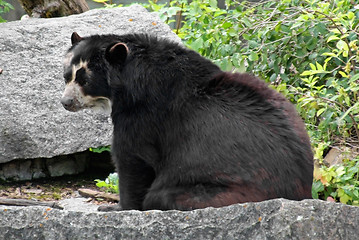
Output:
x=69 y=103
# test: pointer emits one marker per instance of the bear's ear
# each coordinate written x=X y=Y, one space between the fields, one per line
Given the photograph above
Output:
x=75 y=38
x=116 y=53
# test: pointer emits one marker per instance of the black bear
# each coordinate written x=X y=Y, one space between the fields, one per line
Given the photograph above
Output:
x=186 y=134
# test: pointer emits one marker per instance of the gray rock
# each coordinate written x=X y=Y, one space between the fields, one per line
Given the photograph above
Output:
x=33 y=123
x=64 y=166
x=274 y=219
x=22 y=169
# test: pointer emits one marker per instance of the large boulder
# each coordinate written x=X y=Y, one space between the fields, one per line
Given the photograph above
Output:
x=274 y=219
x=33 y=123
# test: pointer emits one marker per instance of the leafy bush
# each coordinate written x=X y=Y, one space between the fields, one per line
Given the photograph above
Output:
x=341 y=182
x=4 y=8
x=100 y=149
x=307 y=49
x=110 y=184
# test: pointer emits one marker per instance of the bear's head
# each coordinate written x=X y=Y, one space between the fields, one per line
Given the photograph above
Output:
x=85 y=72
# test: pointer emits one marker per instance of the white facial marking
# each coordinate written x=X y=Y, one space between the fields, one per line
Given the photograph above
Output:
x=68 y=59
x=101 y=104
x=75 y=68
x=81 y=101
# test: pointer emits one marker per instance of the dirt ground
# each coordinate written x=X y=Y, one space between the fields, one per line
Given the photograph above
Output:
x=53 y=189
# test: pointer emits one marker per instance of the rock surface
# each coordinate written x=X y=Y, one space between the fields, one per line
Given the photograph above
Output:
x=274 y=219
x=33 y=123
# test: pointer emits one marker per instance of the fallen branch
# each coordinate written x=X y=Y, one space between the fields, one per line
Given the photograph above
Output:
x=96 y=194
x=25 y=202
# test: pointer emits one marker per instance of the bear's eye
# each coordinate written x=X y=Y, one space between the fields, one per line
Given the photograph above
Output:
x=81 y=76
x=68 y=76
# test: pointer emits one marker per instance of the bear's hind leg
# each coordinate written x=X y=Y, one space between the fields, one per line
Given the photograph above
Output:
x=192 y=197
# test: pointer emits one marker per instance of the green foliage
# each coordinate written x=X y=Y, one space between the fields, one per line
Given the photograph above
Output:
x=4 y=8
x=110 y=184
x=107 y=3
x=329 y=97
x=307 y=49
x=341 y=182
x=101 y=149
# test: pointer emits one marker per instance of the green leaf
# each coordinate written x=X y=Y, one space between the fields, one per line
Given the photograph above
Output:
x=301 y=52
x=246 y=22
x=317 y=187
x=333 y=38
x=219 y=13
x=284 y=77
x=242 y=68
x=273 y=77
x=320 y=111
x=342 y=45
x=344 y=198
x=336 y=31
x=197 y=44
x=321 y=28
x=355 y=77
x=350 y=15
x=312 y=66
x=100 y=149
x=101 y=183
x=329 y=54
x=213 y=3
x=172 y=11
x=343 y=74
x=296 y=25
x=348 y=111
x=312 y=72
x=253 y=56
x=344 y=36
x=340 y=171
x=319 y=67
x=227 y=25
x=232 y=32
x=226 y=64
x=307 y=73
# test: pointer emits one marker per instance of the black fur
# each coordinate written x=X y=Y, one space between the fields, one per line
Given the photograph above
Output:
x=187 y=135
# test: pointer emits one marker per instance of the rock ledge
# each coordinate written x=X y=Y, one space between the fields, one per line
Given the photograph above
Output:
x=273 y=219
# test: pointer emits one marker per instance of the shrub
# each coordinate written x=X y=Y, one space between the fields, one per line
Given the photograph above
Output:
x=341 y=182
x=110 y=184
x=308 y=50
x=100 y=149
x=4 y=8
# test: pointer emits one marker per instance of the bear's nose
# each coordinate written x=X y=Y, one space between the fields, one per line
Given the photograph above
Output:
x=67 y=102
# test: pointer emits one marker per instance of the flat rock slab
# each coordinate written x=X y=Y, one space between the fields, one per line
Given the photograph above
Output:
x=274 y=219
x=33 y=123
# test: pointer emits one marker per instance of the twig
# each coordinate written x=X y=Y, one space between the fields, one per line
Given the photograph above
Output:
x=168 y=17
x=25 y=202
x=179 y=19
x=96 y=194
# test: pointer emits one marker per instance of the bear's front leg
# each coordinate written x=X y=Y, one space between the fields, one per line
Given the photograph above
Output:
x=135 y=178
